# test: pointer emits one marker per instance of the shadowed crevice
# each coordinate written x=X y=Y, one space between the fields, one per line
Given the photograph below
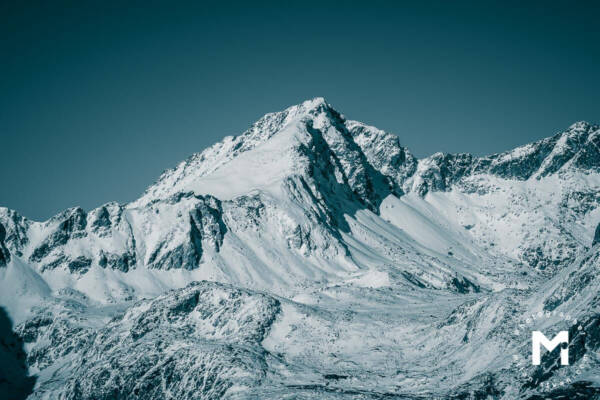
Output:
x=15 y=384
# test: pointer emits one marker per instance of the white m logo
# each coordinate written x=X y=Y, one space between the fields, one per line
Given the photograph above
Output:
x=538 y=339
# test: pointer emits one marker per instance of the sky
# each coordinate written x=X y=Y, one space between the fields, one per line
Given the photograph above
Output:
x=97 y=98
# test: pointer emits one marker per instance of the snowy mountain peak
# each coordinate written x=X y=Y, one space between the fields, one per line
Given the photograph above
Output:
x=582 y=126
x=379 y=262
x=312 y=104
x=576 y=149
x=301 y=173
x=277 y=146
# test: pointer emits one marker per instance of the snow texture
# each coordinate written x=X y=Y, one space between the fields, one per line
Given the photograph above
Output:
x=315 y=257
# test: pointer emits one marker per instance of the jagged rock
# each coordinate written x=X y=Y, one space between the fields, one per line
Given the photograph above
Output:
x=576 y=147
x=384 y=153
x=16 y=228
x=339 y=167
x=4 y=254
x=65 y=226
x=351 y=267
x=202 y=341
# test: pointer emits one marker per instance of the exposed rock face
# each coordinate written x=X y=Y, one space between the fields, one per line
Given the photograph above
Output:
x=384 y=153
x=204 y=227
x=348 y=269
x=75 y=239
x=4 y=254
x=577 y=147
x=338 y=167
x=69 y=225
x=199 y=342
x=15 y=228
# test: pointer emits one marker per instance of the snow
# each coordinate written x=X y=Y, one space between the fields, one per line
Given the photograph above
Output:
x=21 y=288
x=262 y=168
x=361 y=288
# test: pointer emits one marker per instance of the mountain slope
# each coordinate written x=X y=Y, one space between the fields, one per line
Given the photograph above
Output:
x=367 y=262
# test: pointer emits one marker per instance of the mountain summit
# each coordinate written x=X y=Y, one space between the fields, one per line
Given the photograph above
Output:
x=299 y=127
x=324 y=248
x=279 y=145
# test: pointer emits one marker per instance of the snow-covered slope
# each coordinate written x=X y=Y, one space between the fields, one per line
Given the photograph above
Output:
x=363 y=263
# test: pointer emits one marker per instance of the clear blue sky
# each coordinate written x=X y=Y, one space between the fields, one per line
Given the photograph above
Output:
x=99 y=97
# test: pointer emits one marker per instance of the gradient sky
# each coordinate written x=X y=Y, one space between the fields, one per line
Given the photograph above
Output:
x=98 y=98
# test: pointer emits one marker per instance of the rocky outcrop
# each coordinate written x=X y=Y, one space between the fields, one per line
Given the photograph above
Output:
x=577 y=147
x=4 y=254
x=202 y=341
x=76 y=240
x=16 y=230
x=372 y=267
x=384 y=152
x=197 y=225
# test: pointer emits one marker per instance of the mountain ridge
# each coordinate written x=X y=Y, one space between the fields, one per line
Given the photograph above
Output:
x=356 y=268
x=266 y=127
x=335 y=166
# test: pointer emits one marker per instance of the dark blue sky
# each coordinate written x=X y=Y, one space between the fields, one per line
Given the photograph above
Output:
x=97 y=98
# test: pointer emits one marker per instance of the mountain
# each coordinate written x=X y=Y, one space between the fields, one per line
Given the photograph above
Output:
x=314 y=256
